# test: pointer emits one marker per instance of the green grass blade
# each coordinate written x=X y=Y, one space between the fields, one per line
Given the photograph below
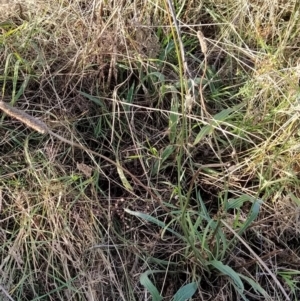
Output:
x=94 y=99
x=186 y=292
x=147 y=283
x=238 y=202
x=253 y=215
x=165 y=155
x=255 y=286
x=228 y=271
x=209 y=128
x=153 y=220
x=173 y=120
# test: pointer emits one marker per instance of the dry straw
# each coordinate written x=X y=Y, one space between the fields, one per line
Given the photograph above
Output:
x=22 y=116
x=202 y=41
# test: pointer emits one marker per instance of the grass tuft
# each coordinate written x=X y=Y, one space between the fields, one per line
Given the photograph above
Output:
x=199 y=101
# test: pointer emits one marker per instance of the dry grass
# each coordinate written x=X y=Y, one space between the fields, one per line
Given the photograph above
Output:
x=205 y=113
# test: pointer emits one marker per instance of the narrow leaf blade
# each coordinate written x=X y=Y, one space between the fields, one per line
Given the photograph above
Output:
x=186 y=292
x=226 y=270
x=147 y=283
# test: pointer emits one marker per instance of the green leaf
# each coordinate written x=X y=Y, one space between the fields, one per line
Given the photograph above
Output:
x=294 y=198
x=153 y=220
x=226 y=270
x=255 y=286
x=253 y=215
x=173 y=120
x=238 y=202
x=216 y=120
x=165 y=155
x=221 y=116
x=147 y=283
x=22 y=88
x=206 y=130
x=130 y=94
x=185 y=292
x=16 y=77
x=158 y=75
x=94 y=99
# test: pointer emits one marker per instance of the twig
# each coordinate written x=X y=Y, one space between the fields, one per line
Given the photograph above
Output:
x=29 y=120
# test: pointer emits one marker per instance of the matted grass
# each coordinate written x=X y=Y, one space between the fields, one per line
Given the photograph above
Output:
x=200 y=101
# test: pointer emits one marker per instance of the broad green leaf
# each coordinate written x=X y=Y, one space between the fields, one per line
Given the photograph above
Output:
x=185 y=292
x=226 y=270
x=147 y=283
x=206 y=130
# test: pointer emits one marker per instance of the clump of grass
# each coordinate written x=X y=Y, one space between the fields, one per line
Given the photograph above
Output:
x=200 y=102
